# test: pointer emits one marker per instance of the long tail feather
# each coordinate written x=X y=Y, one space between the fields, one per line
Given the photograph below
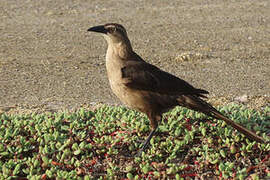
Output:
x=197 y=104
x=251 y=135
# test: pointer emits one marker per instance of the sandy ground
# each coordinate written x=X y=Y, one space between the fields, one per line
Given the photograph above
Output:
x=49 y=61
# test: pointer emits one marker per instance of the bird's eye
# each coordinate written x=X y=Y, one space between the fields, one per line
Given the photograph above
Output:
x=111 y=29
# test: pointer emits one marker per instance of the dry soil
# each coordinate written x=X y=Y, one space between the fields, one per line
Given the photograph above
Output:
x=48 y=60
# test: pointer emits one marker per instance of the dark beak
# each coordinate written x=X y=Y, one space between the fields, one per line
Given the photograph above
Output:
x=99 y=29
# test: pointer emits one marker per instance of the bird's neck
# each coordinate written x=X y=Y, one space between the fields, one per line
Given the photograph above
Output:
x=122 y=50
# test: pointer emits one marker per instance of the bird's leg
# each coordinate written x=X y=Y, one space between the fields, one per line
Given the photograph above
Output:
x=154 y=119
x=147 y=141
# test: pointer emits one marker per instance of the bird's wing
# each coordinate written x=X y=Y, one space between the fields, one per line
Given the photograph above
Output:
x=143 y=76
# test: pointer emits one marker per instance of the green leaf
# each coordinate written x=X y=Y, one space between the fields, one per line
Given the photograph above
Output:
x=77 y=152
x=45 y=159
x=203 y=131
x=17 y=169
x=129 y=176
x=222 y=153
x=145 y=169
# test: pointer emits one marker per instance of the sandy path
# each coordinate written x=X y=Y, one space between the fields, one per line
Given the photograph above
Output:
x=48 y=60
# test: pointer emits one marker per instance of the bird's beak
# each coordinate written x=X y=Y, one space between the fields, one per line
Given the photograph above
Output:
x=99 y=29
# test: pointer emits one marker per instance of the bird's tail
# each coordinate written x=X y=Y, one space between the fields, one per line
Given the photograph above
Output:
x=197 y=104
x=251 y=135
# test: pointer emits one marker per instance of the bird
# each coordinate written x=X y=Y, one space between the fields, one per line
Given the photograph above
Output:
x=148 y=89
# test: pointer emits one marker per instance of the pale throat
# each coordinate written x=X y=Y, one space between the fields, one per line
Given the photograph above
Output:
x=120 y=50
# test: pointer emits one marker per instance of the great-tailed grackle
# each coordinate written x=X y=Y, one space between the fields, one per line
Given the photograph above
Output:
x=146 y=88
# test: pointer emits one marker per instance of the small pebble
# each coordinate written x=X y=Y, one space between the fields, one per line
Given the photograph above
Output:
x=242 y=99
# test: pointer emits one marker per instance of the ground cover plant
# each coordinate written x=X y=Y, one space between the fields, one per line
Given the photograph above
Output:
x=102 y=144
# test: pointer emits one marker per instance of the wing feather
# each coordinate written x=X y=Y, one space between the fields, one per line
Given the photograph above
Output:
x=143 y=76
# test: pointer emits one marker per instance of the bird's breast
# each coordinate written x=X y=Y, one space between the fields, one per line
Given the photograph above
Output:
x=126 y=95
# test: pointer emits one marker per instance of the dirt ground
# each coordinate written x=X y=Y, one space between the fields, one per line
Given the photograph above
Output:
x=49 y=61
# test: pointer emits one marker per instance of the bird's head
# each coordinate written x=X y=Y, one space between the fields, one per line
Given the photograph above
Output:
x=113 y=33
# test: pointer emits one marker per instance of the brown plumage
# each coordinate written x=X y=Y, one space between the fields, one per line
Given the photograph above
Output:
x=147 y=88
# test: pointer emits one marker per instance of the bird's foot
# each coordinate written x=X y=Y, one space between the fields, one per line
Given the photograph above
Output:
x=145 y=146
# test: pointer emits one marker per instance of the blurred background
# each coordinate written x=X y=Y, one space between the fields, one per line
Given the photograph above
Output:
x=49 y=61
